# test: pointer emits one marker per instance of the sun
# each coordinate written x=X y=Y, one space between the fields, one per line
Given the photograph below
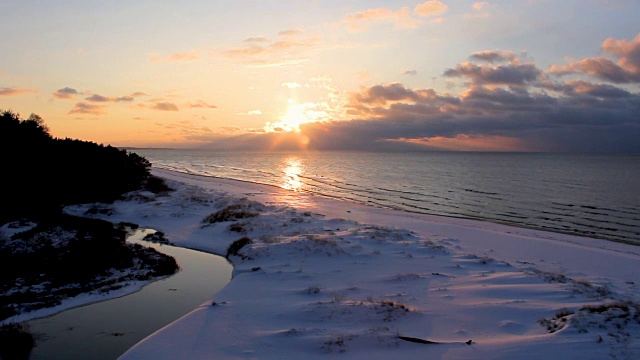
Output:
x=296 y=115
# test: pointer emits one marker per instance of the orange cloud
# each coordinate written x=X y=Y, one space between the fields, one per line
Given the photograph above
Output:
x=273 y=48
x=252 y=112
x=465 y=142
x=100 y=98
x=201 y=104
x=479 y=5
x=430 y=8
x=402 y=19
x=625 y=70
x=291 y=32
x=361 y=21
x=165 y=106
x=261 y=52
x=627 y=51
x=90 y=109
x=256 y=39
x=11 y=91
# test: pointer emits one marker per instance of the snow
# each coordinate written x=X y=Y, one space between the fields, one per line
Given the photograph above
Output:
x=128 y=288
x=323 y=278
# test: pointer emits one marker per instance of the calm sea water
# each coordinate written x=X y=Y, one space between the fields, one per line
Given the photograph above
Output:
x=596 y=196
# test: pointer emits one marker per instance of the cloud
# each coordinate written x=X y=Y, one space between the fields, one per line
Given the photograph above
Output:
x=177 y=57
x=164 y=106
x=599 y=67
x=480 y=119
x=479 y=5
x=410 y=72
x=89 y=109
x=507 y=104
x=430 y=8
x=100 y=98
x=201 y=104
x=186 y=130
x=291 y=32
x=279 y=46
x=12 y=91
x=511 y=74
x=494 y=56
x=231 y=130
x=385 y=94
x=65 y=93
x=465 y=142
x=625 y=70
x=287 y=50
x=361 y=21
x=628 y=52
x=256 y=39
x=251 y=112
x=580 y=88
x=582 y=117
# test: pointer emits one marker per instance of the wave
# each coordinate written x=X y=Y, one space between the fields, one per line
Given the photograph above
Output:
x=564 y=205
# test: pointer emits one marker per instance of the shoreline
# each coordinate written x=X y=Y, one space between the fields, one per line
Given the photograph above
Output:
x=249 y=188
x=376 y=205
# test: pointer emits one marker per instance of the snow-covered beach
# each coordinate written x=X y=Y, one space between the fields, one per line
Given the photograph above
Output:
x=321 y=278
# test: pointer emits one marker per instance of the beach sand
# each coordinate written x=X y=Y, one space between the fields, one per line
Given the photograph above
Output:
x=322 y=278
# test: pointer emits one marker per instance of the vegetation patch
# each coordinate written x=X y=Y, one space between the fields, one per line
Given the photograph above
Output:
x=232 y=213
x=65 y=256
x=157 y=237
x=557 y=322
x=612 y=322
x=237 y=227
x=337 y=342
x=156 y=185
x=234 y=248
x=390 y=309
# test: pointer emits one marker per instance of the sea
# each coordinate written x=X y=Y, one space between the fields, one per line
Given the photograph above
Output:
x=588 y=195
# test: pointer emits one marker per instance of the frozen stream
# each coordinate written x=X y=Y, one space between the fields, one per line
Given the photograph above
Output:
x=105 y=330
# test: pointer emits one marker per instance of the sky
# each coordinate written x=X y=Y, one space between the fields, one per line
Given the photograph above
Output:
x=536 y=75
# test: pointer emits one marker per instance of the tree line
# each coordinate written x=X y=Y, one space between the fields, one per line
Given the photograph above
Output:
x=41 y=174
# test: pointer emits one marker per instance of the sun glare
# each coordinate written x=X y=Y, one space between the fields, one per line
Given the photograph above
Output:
x=297 y=114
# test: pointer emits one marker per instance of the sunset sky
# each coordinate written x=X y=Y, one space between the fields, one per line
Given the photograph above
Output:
x=537 y=75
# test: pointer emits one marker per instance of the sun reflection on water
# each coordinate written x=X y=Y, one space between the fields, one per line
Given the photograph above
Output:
x=292 y=171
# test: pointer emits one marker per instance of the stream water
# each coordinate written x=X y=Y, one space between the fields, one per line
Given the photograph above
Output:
x=105 y=330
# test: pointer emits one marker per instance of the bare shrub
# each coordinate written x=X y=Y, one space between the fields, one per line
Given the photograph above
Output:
x=231 y=213
x=237 y=245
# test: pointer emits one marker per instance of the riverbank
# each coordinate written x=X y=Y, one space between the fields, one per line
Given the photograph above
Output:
x=106 y=329
x=66 y=261
x=317 y=277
